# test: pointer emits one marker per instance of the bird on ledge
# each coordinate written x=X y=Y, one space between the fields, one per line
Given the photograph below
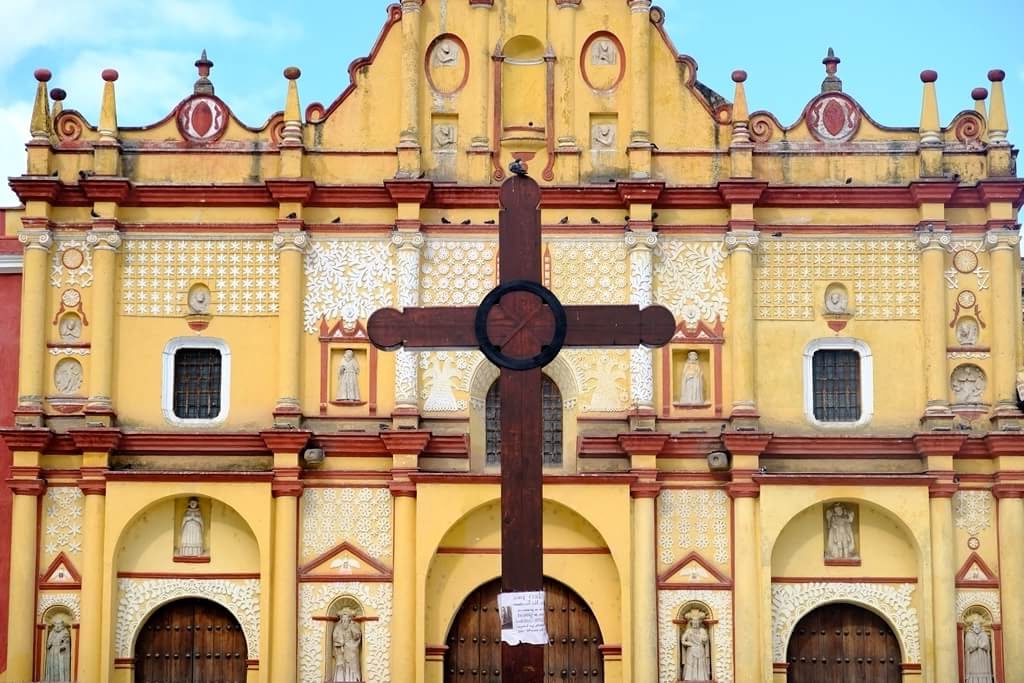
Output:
x=518 y=168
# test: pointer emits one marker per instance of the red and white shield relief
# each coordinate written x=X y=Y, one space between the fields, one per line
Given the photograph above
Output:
x=202 y=119
x=833 y=118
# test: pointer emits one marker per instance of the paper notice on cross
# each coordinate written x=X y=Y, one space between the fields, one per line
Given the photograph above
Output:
x=522 y=618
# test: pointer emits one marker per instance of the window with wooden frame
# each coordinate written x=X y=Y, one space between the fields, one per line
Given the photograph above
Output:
x=551 y=399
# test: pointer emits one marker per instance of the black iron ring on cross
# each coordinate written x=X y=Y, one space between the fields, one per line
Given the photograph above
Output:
x=548 y=351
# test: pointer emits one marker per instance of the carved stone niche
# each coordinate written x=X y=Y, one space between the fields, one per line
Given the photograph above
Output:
x=69 y=328
x=350 y=379
x=59 y=644
x=841 y=534
x=197 y=303
x=692 y=378
x=967 y=383
x=836 y=309
x=192 y=530
x=978 y=644
x=344 y=633
x=695 y=639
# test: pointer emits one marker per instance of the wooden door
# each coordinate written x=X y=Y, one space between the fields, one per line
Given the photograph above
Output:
x=474 y=641
x=843 y=643
x=191 y=641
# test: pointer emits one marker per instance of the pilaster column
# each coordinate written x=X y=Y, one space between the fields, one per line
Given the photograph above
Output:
x=32 y=350
x=741 y=245
x=409 y=242
x=286 y=445
x=405 y=449
x=96 y=446
x=1011 y=570
x=933 y=244
x=481 y=75
x=751 y=625
x=1005 y=318
x=567 y=70
x=643 y=451
x=105 y=240
x=26 y=446
x=291 y=243
x=409 y=163
x=641 y=245
x=640 y=88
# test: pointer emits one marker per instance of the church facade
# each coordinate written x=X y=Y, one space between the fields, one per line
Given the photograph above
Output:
x=216 y=477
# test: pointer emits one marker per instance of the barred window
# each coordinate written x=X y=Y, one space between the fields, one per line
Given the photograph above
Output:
x=837 y=385
x=197 y=384
x=552 y=410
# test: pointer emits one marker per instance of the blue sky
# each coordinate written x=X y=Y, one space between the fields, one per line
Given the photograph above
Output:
x=883 y=44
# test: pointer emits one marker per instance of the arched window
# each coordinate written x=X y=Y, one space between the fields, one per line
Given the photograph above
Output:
x=552 y=411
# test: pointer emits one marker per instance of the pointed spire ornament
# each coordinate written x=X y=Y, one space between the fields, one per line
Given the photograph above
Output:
x=203 y=85
x=929 y=109
x=292 y=133
x=831 y=82
x=108 y=108
x=998 y=125
x=740 y=115
x=41 y=123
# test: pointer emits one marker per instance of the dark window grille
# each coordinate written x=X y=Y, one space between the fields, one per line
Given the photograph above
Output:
x=552 y=411
x=837 y=386
x=197 y=384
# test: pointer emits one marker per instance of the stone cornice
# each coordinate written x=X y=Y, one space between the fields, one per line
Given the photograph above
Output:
x=405 y=442
x=409 y=191
x=285 y=440
x=936 y=192
x=96 y=440
x=31 y=440
x=740 y=443
x=642 y=443
x=742 y=191
x=106 y=189
x=291 y=189
x=639 y=191
x=939 y=444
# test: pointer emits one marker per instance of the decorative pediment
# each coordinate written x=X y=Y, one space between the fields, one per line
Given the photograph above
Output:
x=344 y=562
x=60 y=575
x=975 y=573
x=343 y=330
x=693 y=572
x=701 y=332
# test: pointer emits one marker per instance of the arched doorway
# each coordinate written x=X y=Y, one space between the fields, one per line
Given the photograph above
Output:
x=843 y=643
x=191 y=641
x=474 y=640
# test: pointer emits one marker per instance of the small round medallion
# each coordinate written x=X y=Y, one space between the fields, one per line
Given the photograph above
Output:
x=72 y=258
x=965 y=260
x=71 y=298
x=973 y=543
x=966 y=299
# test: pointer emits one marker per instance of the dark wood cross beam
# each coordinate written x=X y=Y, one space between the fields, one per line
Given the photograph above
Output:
x=521 y=326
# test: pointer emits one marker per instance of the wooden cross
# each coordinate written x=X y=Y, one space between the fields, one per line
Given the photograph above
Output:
x=521 y=326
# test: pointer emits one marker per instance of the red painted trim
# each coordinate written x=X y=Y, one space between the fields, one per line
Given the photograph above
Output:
x=205 y=477
x=910 y=667
x=76 y=579
x=990 y=580
x=341 y=578
x=723 y=581
x=843 y=562
x=184 y=575
x=10 y=321
x=843 y=579
x=317 y=561
x=457 y=550
x=180 y=559
x=497 y=62
x=585 y=61
x=465 y=69
x=844 y=479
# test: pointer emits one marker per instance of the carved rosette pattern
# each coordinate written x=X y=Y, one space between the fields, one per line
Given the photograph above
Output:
x=982 y=276
x=62 y=274
x=883 y=275
x=791 y=601
x=62 y=524
x=690 y=279
x=669 y=603
x=68 y=601
x=972 y=511
x=347 y=280
x=157 y=273
x=989 y=599
x=589 y=271
x=139 y=598
x=693 y=519
x=361 y=516
x=457 y=272
x=315 y=599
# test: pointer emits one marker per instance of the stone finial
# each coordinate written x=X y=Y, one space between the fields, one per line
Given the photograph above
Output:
x=203 y=85
x=998 y=125
x=41 y=123
x=979 y=95
x=108 y=107
x=292 y=133
x=832 y=83
x=58 y=95
x=740 y=115
x=929 y=109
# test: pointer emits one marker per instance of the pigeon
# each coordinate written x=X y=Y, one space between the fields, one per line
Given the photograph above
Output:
x=445 y=220
x=654 y=216
x=489 y=222
x=594 y=221
x=776 y=234
x=564 y=221
x=94 y=214
x=849 y=180
x=293 y=215
x=55 y=174
x=517 y=167
x=468 y=221
x=337 y=219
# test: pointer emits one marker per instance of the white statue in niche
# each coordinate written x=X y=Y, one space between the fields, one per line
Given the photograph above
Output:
x=968 y=384
x=348 y=377
x=696 y=648
x=836 y=301
x=446 y=53
x=692 y=391
x=604 y=53
x=191 y=541
x=70 y=328
x=841 y=544
x=199 y=300
x=977 y=654
x=58 y=652
x=444 y=136
x=67 y=377
x=604 y=136
x=347 y=643
x=967 y=332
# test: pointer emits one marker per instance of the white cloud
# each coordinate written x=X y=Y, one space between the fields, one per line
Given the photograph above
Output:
x=14 y=122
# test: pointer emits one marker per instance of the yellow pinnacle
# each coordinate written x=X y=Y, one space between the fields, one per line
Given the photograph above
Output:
x=292 y=134
x=998 y=126
x=929 y=109
x=108 y=107
x=40 y=126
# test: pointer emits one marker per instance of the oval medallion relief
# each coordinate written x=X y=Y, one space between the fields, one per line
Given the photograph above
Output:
x=202 y=119
x=603 y=62
x=447 y=64
x=833 y=118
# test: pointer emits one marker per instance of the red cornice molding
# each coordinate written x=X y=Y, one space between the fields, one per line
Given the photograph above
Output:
x=26 y=439
x=939 y=444
x=238 y=576
x=409 y=191
x=844 y=579
x=402 y=489
x=285 y=440
x=22 y=485
x=291 y=189
x=192 y=443
x=105 y=189
x=644 y=489
x=1000 y=190
x=1001 y=491
x=191 y=476
x=36 y=188
x=1005 y=444
x=447 y=446
x=742 y=191
x=797 y=479
x=639 y=191
x=642 y=443
x=405 y=442
x=743 y=489
x=95 y=440
x=942 y=489
x=740 y=443
x=932 y=192
x=359 y=445
x=840 y=446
